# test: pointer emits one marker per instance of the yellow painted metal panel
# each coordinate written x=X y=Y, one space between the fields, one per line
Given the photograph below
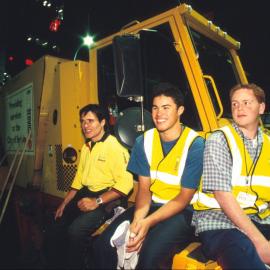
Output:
x=41 y=76
x=53 y=138
x=239 y=67
x=74 y=94
x=197 y=21
x=209 y=29
x=195 y=76
x=93 y=83
x=183 y=260
x=71 y=93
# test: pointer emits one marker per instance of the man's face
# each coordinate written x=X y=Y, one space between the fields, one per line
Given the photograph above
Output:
x=246 y=108
x=91 y=127
x=165 y=113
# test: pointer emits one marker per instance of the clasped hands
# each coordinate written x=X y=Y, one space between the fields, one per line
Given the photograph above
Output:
x=138 y=232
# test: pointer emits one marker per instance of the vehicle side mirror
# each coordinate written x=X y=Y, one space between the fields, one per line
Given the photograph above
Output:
x=128 y=65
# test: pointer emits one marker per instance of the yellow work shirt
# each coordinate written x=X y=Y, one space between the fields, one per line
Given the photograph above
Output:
x=104 y=166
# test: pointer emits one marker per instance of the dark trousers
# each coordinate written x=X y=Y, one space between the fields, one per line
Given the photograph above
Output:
x=232 y=249
x=162 y=242
x=67 y=237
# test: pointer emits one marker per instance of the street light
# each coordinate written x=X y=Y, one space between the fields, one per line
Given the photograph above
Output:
x=87 y=41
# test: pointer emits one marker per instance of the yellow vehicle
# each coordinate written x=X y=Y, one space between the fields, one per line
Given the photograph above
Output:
x=41 y=131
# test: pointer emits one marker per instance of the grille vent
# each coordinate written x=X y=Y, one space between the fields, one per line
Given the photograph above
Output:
x=65 y=173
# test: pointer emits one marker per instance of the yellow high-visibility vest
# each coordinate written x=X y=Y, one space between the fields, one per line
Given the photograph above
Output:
x=166 y=171
x=251 y=191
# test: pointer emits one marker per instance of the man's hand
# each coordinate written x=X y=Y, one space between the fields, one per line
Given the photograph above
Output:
x=263 y=249
x=70 y=195
x=138 y=232
x=87 y=204
x=60 y=210
x=236 y=214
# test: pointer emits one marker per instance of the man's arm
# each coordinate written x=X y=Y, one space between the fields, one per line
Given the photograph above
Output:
x=139 y=228
x=143 y=198
x=236 y=214
x=171 y=208
x=118 y=160
x=70 y=195
x=89 y=204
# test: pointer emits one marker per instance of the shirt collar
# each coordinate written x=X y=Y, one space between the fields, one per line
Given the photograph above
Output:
x=91 y=144
x=240 y=132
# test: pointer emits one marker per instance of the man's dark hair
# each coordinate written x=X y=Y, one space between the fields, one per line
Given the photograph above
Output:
x=96 y=109
x=168 y=90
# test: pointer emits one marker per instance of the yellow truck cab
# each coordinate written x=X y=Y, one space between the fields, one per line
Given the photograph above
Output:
x=41 y=131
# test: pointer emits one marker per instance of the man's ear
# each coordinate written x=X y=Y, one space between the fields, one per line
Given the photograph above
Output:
x=262 y=108
x=180 y=110
x=103 y=122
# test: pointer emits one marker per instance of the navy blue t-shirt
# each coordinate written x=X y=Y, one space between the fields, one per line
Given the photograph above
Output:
x=191 y=176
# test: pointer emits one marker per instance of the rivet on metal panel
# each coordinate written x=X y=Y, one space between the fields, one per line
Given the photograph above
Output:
x=189 y=8
x=178 y=47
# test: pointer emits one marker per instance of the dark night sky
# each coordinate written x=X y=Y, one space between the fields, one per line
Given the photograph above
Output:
x=246 y=21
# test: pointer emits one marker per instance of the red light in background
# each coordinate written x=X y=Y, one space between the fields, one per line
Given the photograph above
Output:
x=54 y=25
x=10 y=58
x=28 y=62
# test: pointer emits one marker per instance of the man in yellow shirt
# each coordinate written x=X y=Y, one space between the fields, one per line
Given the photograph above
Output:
x=101 y=180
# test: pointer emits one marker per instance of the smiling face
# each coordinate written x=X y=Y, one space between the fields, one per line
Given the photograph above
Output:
x=166 y=117
x=246 y=109
x=92 y=128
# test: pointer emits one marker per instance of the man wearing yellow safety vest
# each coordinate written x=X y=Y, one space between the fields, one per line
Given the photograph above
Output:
x=168 y=162
x=233 y=213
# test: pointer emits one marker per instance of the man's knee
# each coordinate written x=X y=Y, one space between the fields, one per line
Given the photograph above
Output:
x=103 y=255
x=240 y=256
x=73 y=232
x=153 y=256
x=149 y=259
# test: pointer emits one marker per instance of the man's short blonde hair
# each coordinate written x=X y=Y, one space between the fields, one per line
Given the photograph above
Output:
x=257 y=91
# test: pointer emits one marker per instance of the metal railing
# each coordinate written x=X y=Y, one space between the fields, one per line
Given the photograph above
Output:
x=10 y=187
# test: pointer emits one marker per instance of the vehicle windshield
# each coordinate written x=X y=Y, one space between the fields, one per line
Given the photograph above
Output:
x=161 y=63
x=216 y=61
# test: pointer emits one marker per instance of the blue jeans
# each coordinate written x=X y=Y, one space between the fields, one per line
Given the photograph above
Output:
x=232 y=249
x=162 y=242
